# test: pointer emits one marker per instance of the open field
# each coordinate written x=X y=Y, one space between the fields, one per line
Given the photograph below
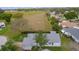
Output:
x=35 y=22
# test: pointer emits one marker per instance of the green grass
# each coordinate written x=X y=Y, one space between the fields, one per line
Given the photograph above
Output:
x=65 y=43
x=8 y=32
x=19 y=38
x=35 y=48
x=50 y=48
x=3 y=31
x=53 y=48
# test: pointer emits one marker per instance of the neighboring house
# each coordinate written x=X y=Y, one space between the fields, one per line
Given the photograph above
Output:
x=3 y=41
x=68 y=24
x=2 y=25
x=53 y=40
x=54 y=13
x=57 y=15
x=73 y=32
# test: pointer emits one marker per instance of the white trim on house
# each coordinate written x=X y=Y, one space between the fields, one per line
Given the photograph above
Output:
x=76 y=27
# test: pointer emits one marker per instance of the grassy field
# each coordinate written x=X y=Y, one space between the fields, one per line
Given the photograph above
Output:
x=33 y=22
x=8 y=32
x=65 y=41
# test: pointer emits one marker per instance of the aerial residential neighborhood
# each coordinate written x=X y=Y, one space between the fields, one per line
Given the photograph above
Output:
x=39 y=29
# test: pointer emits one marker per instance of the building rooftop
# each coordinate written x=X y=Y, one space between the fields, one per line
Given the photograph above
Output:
x=29 y=41
x=53 y=37
x=74 y=32
x=68 y=24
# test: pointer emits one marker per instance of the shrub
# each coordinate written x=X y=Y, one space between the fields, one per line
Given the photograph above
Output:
x=9 y=46
x=71 y=15
x=40 y=39
x=5 y=16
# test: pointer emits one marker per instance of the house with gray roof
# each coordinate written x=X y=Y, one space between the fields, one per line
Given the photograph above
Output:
x=29 y=41
x=53 y=40
x=73 y=32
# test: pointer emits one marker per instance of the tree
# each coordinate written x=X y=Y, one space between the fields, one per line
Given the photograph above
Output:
x=71 y=15
x=56 y=27
x=53 y=20
x=5 y=16
x=40 y=39
x=9 y=46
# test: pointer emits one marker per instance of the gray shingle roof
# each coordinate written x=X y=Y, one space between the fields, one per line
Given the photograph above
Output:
x=29 y=41
x=74 y=32
x=53 y=37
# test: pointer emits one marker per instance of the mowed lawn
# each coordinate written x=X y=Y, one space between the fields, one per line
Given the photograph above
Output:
x=35 y=22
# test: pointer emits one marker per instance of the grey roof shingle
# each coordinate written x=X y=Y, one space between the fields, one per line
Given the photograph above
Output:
x=73 y=32
x=28 y=41
x=53 y=37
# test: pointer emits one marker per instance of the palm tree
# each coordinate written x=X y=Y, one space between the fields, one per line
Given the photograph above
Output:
x=40 y=40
